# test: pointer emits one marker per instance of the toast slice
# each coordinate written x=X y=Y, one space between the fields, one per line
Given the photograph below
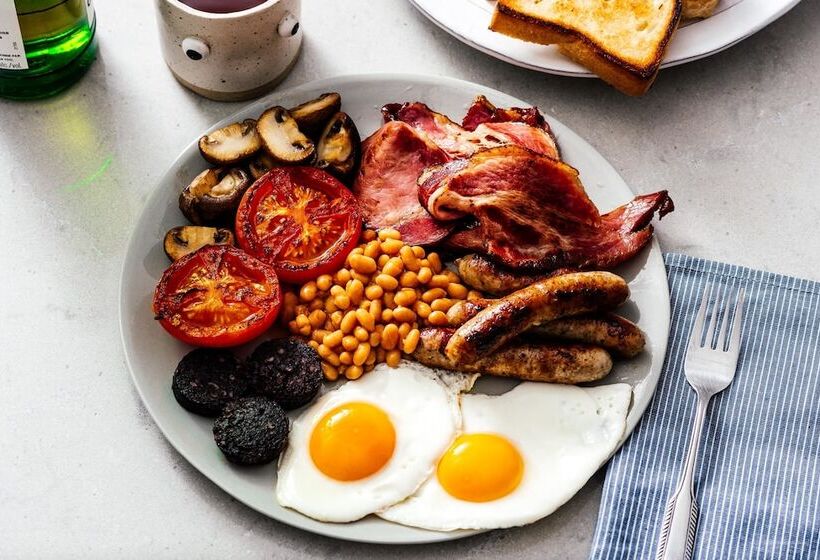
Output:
x=694 y=9
x=622 y=41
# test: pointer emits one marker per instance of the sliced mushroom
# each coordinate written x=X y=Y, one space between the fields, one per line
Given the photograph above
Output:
x=260 y=165
x=339 y=146
x=182 y=240
x=213 y=196
x=312 y=115
x=282 y=138
x=231 y=144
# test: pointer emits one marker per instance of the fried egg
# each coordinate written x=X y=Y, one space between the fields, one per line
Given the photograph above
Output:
x=370 y=443
x=519 y=456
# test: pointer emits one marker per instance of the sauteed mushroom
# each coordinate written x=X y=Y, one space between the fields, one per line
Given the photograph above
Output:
x=312 y=115
x=231 y=144
x=260 y=165
x=338 y=149
x=282 y=138
x=181 y=240
x=213 y=195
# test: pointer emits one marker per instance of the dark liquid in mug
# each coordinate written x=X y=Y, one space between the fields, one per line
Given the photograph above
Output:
x=222 y=6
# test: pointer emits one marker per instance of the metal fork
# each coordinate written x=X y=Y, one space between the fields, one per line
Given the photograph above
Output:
x=709 y=369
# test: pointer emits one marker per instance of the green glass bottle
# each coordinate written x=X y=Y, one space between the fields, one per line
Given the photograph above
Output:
x=45 y=45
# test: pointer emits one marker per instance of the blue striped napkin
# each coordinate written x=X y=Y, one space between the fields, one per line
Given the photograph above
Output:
x=758 y=478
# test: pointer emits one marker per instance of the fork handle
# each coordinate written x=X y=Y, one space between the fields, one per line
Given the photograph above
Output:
x=677 y=540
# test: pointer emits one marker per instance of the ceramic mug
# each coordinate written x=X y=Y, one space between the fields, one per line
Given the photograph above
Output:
x=230 y=56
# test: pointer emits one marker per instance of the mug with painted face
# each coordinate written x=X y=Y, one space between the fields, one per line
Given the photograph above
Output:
x=229 y=50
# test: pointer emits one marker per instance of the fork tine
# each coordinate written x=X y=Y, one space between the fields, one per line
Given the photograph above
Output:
x=724 y=326
x=697 y=326
x=734 y=341
x=713 y=318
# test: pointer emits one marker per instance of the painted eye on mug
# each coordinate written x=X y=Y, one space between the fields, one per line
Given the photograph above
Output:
x=195 y=48
x=288 y=26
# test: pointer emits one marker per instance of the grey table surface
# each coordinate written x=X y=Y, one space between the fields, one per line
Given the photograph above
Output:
x=85 y=473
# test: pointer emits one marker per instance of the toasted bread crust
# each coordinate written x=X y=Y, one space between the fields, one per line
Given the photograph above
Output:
x=622 y=75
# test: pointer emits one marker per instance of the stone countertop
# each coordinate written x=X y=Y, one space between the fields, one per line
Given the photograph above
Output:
x=86 y=474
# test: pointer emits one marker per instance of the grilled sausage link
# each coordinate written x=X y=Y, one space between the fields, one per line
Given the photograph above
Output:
x=609 y=331
x=526 y=360
x=546 y=300
x=612 y=332
x=482 y=274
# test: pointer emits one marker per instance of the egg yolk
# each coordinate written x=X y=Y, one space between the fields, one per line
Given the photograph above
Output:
x=480 y=468
x=352 y=441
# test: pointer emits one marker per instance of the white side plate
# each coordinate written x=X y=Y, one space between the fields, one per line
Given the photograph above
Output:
x=733 y=21
x=152 y=354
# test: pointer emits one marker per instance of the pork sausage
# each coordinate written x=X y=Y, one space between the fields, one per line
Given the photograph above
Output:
x=546 y=300
x=484 y=275
x=609 y=331
x=521 y=359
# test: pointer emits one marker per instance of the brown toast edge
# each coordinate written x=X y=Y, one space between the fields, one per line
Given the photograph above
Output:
x=620 y=74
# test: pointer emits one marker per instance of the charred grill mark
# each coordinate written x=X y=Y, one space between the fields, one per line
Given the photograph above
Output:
x=585 y=297
x=666 y=206
x=566 y=355
x=483 y=338
x=390 y=112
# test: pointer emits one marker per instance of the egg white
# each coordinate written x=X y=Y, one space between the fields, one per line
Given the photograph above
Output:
x=564 y=434
x=422 y=404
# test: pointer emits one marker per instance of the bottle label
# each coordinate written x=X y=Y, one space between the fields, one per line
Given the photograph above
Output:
x=12 y=50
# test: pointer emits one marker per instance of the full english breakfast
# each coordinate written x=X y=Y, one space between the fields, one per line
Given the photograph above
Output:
x=407 y=264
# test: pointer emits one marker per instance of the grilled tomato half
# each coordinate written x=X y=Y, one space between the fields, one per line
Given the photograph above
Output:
x=217 y=296
x=301 y=220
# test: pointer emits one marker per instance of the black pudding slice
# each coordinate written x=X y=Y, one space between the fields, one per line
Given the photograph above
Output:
x=251 y=431
x=287 y=370
x=207 y=379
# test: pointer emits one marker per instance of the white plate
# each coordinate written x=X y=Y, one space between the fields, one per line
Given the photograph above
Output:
x=733 y=21
x=152 y=354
